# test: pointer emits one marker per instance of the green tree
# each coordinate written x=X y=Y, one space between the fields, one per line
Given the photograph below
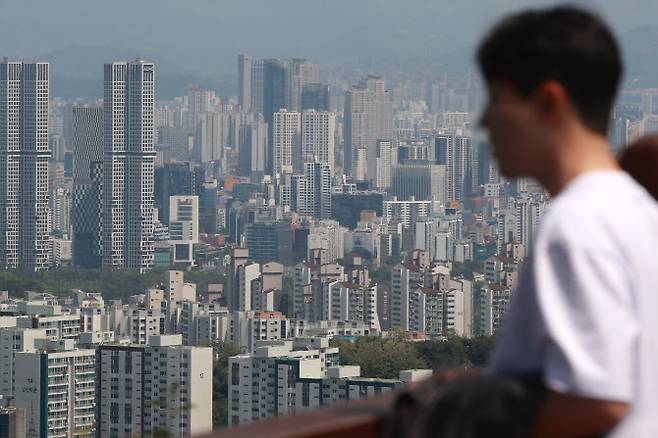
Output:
x=112 y=284
x=386 y=357
x=478 y=350
x=382 y=357
x=446 y=353
x=467 y=269
x=222 y=351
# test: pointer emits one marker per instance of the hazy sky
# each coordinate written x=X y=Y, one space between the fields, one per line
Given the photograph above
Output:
x=203 y=36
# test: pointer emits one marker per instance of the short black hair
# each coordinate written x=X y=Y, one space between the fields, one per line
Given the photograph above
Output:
x=566 y=44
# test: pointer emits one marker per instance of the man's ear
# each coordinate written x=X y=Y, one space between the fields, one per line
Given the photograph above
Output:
x=551 y=101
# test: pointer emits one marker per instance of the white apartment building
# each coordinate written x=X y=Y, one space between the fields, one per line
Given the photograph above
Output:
x=242 y=329
x=286 y=141
x=62 y=326
x=424 y=298
x=318 y=133
x=283 y=379
x=529 y=209
x=253 y=382
x=494 y=303
x=163 y=386
x=190 y=311
x=309 y=281
x=56 y=385
x=440 y=313
x=405 y=279
x=346 y=301
x=385 y=161
x=183 y=228
x=176 y=289
x=15 y=340
x=329 y=329
x=407 y=212
x=249 y=286
x=327 y=235
x=208 y=139
x=140 y=325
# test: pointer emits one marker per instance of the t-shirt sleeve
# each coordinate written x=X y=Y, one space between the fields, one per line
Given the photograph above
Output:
x=585 y=301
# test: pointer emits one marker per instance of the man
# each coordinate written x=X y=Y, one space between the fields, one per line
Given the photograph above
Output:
x=584 y=314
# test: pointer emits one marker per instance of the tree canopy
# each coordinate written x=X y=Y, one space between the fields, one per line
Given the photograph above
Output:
x=222 y=352
x=385 y=357
x=112 y=284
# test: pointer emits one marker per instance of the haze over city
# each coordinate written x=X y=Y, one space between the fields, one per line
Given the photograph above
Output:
x=374 y=218
x=197 y=41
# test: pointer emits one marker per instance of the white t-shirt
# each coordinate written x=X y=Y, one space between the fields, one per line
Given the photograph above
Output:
x=585 y=314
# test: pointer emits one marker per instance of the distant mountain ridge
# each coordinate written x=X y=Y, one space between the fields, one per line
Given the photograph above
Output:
x=77 y=71
x=640 y=48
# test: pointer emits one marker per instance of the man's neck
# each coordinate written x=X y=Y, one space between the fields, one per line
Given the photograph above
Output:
x=580 y=153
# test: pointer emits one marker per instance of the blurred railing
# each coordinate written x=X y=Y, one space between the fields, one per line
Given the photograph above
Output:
x=360 y=419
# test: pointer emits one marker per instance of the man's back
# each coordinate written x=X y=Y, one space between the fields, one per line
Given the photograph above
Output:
x=584 y=313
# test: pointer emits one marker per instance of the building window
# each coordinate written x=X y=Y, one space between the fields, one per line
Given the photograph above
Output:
x=129 y=363
x=305 y=395
x=114 y=412
x=114 y=363
x=128 y=413
x=235 y=373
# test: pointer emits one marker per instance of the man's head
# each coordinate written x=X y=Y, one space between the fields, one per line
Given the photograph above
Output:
x=548 y=72
x=640 y=160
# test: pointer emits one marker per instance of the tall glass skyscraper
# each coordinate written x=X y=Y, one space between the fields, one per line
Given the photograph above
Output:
x=87 y=186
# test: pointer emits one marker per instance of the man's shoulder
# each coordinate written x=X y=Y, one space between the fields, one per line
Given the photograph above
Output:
x=605 y=208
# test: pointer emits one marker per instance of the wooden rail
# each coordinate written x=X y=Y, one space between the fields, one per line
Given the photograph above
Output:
x=361 y=419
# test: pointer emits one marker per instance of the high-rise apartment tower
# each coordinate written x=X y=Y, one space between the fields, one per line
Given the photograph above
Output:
x=24 y=153
x=128 y=161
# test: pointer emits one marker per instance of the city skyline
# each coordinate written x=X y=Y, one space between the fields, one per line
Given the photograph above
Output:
x=233 y=221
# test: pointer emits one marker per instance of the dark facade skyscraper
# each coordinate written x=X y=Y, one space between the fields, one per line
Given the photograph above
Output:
x=208 y=220
x=257 y=82
x=87 y=186
x=420 y=180
x=24 y=154
x=275 y=72
x=252 y=158
x=318 y=189
x=268 y=241
x=346 y=208
x=175 y=179
x=315 y=96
